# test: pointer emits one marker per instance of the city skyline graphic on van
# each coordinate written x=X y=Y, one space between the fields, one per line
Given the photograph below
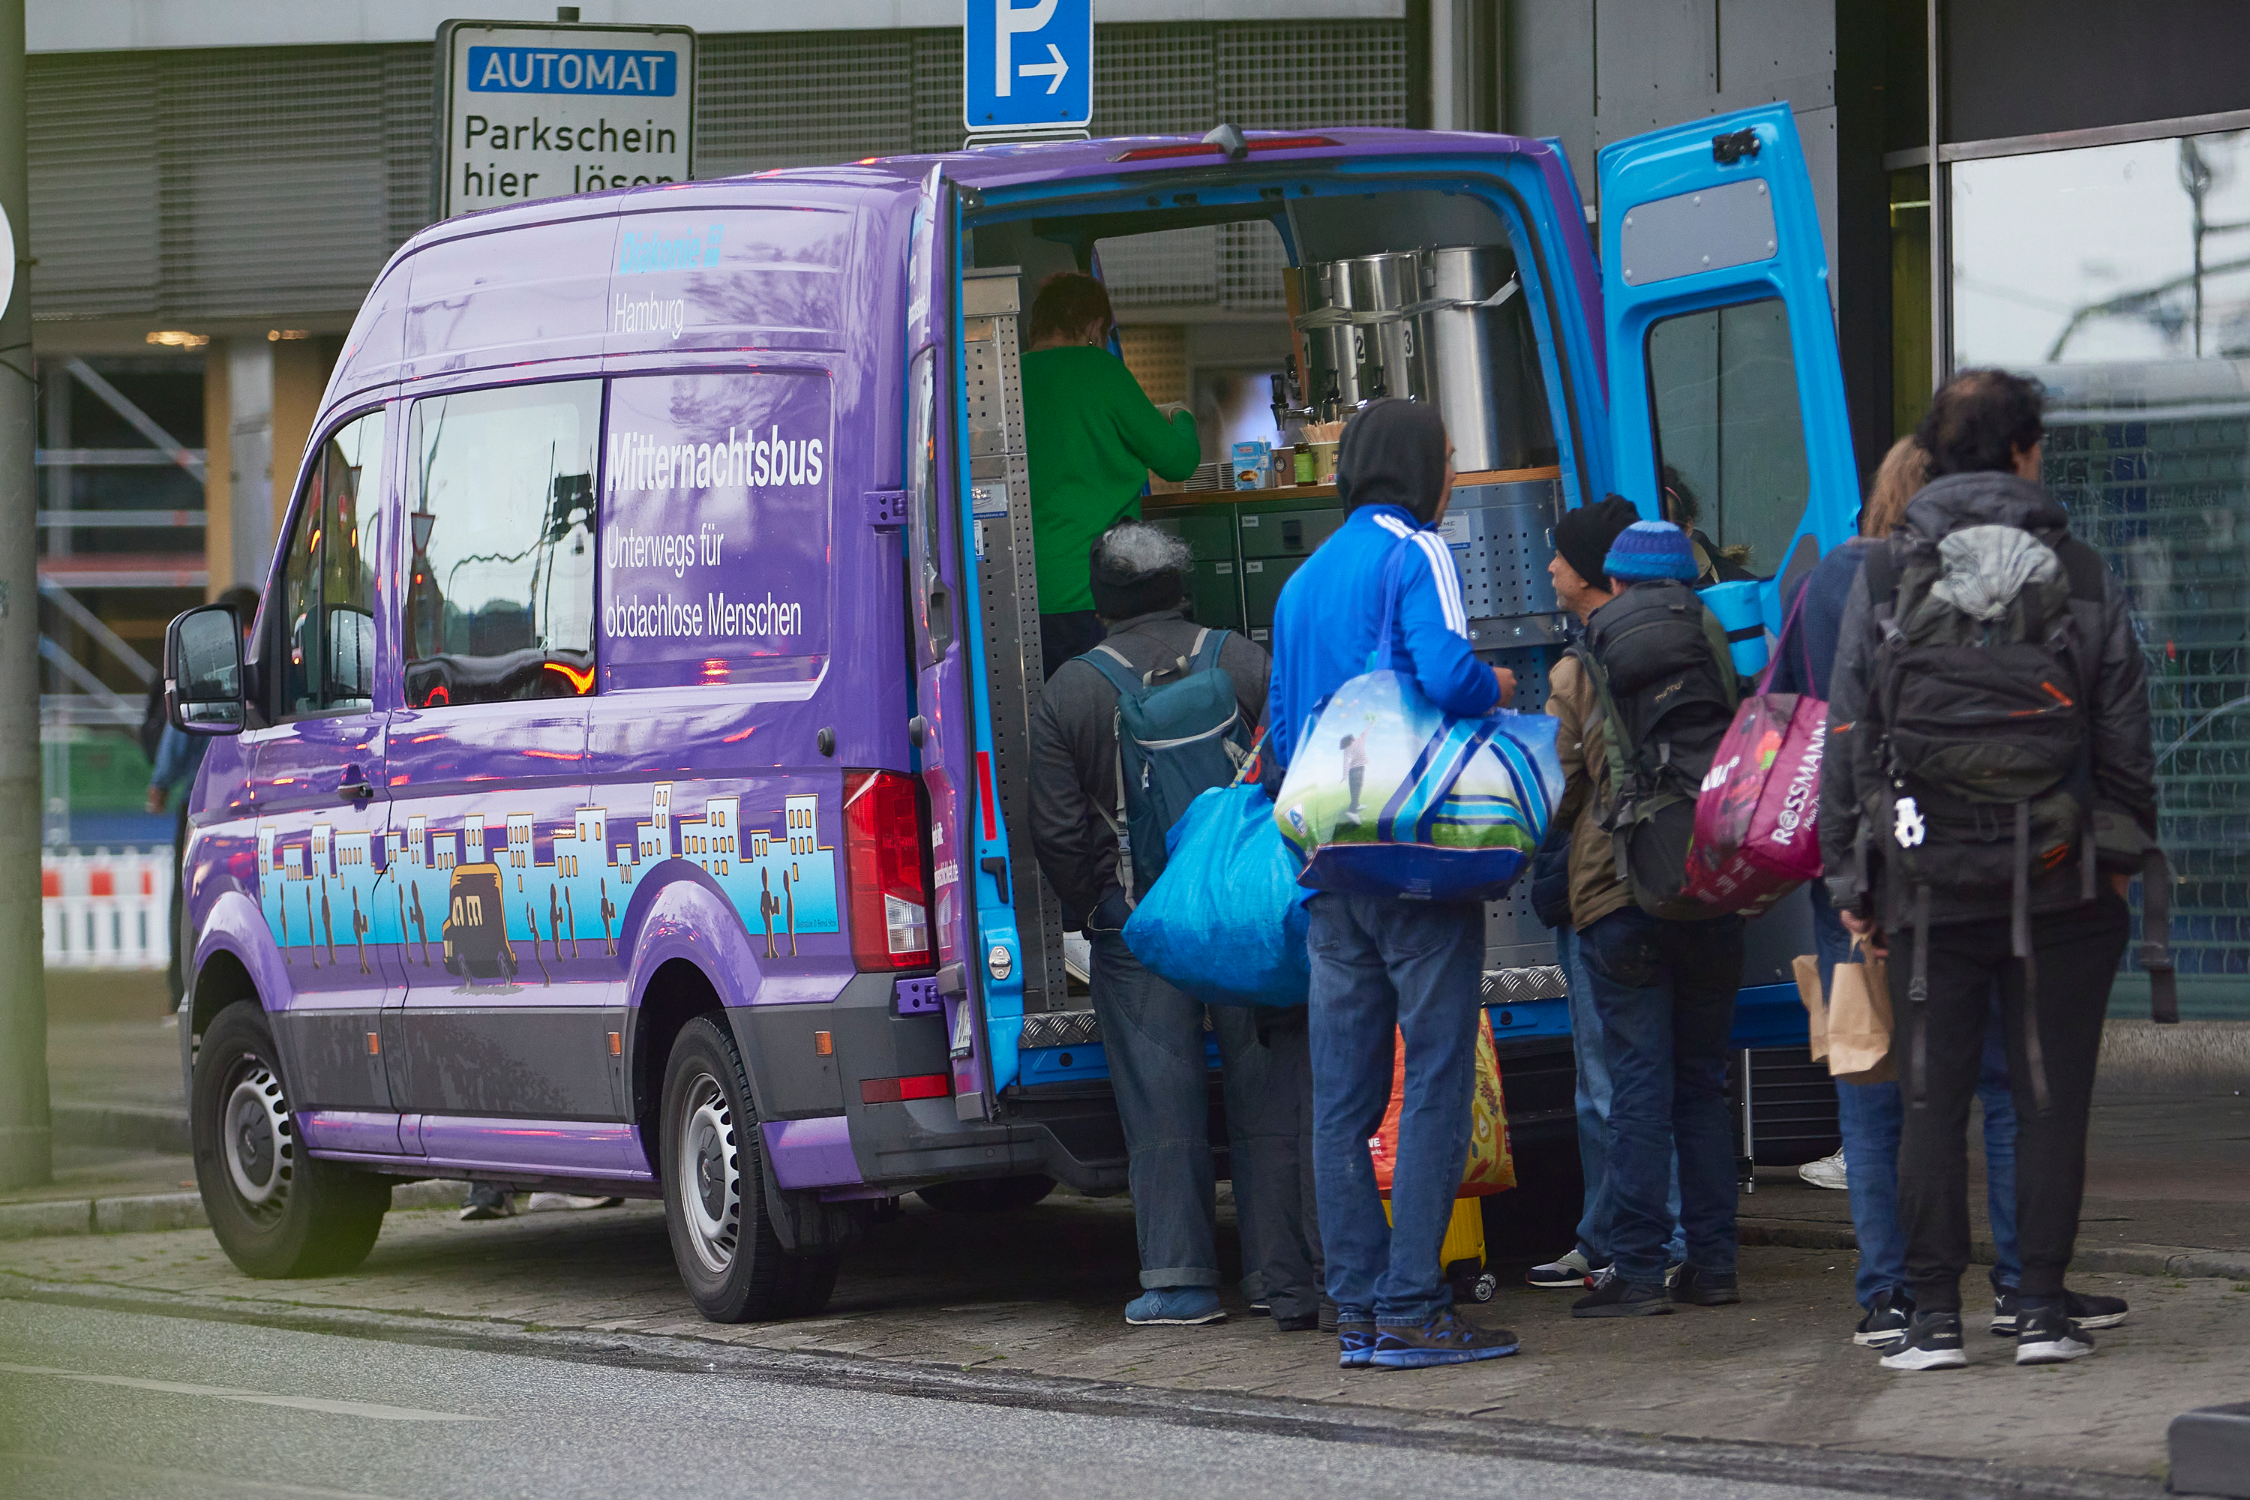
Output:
x=476 y=901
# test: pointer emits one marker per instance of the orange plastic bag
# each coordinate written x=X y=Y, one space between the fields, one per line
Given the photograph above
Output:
x=1491 y=1167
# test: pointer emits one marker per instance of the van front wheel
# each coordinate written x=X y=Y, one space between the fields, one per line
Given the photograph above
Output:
x=714 y=1191
x=274 y=1210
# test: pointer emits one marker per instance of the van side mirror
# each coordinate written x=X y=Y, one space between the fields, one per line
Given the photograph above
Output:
x=203 y=672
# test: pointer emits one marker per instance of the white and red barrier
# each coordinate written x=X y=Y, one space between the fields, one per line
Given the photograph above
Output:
x=104 y=909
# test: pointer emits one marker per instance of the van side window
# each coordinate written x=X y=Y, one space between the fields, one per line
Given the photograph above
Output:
x=1723 y=387
x=327 y=618
x=500 y=583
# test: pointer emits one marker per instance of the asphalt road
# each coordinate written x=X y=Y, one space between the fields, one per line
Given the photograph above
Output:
x=143 y=1407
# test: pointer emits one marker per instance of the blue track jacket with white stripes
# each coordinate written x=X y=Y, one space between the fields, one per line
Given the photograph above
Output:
x=1325 y=623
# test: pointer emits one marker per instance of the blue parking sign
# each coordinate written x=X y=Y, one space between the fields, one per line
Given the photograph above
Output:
x=1028 y=64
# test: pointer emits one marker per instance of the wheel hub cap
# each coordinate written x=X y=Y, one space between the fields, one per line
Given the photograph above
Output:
x=710 y=1166
x=258 y=1139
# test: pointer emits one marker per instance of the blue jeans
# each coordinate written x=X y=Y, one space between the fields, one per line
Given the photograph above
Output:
x=1871 y=1118
x=1665 y=992
x=1592 y=1099
x=1382 y=967
x=1152 y=1035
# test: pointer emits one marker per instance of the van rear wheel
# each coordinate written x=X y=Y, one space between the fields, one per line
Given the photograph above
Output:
x=274 y=1210
x=723 y=1238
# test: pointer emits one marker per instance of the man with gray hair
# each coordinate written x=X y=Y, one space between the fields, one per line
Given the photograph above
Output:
x=1152 y=1033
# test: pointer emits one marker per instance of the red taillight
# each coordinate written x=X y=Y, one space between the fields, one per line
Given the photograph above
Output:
x=890 y=890
x=1213 y=148
x=892 y=1090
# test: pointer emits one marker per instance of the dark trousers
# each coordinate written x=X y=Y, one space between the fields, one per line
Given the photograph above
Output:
x=2078 y=952
x=1665 y=993
x=1269 y=1137
x=1071 y=633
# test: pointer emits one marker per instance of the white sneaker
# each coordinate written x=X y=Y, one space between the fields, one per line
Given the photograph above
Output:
x=1078 y=957
x=543 y=1203
x=1568 y=1272
x=1828 y=1172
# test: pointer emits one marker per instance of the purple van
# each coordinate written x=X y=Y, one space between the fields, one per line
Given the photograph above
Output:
x=620 y=789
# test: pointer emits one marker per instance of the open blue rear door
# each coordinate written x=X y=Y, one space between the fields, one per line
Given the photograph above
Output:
x=1724 y=383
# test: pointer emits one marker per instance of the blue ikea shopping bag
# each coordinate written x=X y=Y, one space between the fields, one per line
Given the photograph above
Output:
x=1388 y=795
x=1226 y=920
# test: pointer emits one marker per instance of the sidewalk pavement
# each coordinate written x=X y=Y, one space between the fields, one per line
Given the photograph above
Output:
x=1040 y=1292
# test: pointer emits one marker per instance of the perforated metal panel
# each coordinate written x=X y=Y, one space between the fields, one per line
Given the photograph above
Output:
x=1000 y=473
x=93 y=152
x=1308 y=74
x=1153 y=80
x=238 y=183
x=937 y=90
x=806 y=98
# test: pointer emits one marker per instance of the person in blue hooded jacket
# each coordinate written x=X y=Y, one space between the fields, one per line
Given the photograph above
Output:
x=1382 y=966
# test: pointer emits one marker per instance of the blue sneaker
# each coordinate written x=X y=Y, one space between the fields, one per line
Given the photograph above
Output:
x=1447 y=1339
x=1181 y=1306
x=1356 y=1341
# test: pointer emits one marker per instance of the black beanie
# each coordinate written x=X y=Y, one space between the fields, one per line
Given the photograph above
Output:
x=1583 y=536
x=1393 y=453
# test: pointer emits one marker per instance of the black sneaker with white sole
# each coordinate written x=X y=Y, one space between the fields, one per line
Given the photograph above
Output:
x=2082 y=1308
x=1615 y=1297
x=1933 y=1342
x=2047 y=1336
x=1886 y=1320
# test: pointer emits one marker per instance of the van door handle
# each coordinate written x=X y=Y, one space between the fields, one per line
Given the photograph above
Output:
x=356 y=791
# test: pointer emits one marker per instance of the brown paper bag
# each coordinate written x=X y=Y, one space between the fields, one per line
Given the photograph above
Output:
x=1807 y=969
x=1859 y=1022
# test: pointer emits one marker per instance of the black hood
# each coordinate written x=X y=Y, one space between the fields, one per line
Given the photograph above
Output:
x=1984 y=499
x=1393 y=453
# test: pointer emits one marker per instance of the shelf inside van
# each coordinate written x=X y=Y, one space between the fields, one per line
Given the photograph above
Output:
x=1166 y=499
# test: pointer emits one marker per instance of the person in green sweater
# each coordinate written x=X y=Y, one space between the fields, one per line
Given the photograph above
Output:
x=1092 y=436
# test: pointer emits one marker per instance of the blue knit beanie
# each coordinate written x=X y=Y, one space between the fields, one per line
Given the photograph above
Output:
x=1650 y=549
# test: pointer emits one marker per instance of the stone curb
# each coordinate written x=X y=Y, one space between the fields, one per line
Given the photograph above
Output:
x=2136 y=1260
x=130 y=1126
x=158 y=1211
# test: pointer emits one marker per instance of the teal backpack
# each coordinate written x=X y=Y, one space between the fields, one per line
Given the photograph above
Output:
x=1175 y=741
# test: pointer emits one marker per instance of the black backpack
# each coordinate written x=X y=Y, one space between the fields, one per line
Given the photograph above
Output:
x=1660 y=665
x=1983 y=768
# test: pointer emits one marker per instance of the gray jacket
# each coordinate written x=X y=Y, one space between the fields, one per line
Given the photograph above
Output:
x=1074 y=750
x=2123 y=762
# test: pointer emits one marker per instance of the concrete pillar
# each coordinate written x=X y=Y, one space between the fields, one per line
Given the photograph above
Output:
x=250 y=518
x=300 y=375
x=218 y=483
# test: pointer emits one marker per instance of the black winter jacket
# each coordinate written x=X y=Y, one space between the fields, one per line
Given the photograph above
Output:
x=2124 y=763
x=1074 y=750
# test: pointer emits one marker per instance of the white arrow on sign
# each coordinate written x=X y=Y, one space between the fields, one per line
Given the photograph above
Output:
x=1053 y=72
x=1008 y=24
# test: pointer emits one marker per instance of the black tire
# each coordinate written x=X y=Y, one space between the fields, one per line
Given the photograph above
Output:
x=987 y=1195
x=715 y=1191
x=275 y=1211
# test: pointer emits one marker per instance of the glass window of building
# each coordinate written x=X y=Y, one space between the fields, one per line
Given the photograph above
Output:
x=2120 y=276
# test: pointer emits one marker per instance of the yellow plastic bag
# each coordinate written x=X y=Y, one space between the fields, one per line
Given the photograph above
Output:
x=1491 y=1167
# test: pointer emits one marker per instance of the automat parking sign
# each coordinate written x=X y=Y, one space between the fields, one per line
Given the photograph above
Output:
x=1027 y=65
x=529 y=111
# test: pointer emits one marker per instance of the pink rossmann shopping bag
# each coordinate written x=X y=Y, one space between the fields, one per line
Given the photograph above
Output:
x=1757 y=817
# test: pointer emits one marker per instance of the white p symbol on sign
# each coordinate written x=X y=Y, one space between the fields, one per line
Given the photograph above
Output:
x=1008 y=23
